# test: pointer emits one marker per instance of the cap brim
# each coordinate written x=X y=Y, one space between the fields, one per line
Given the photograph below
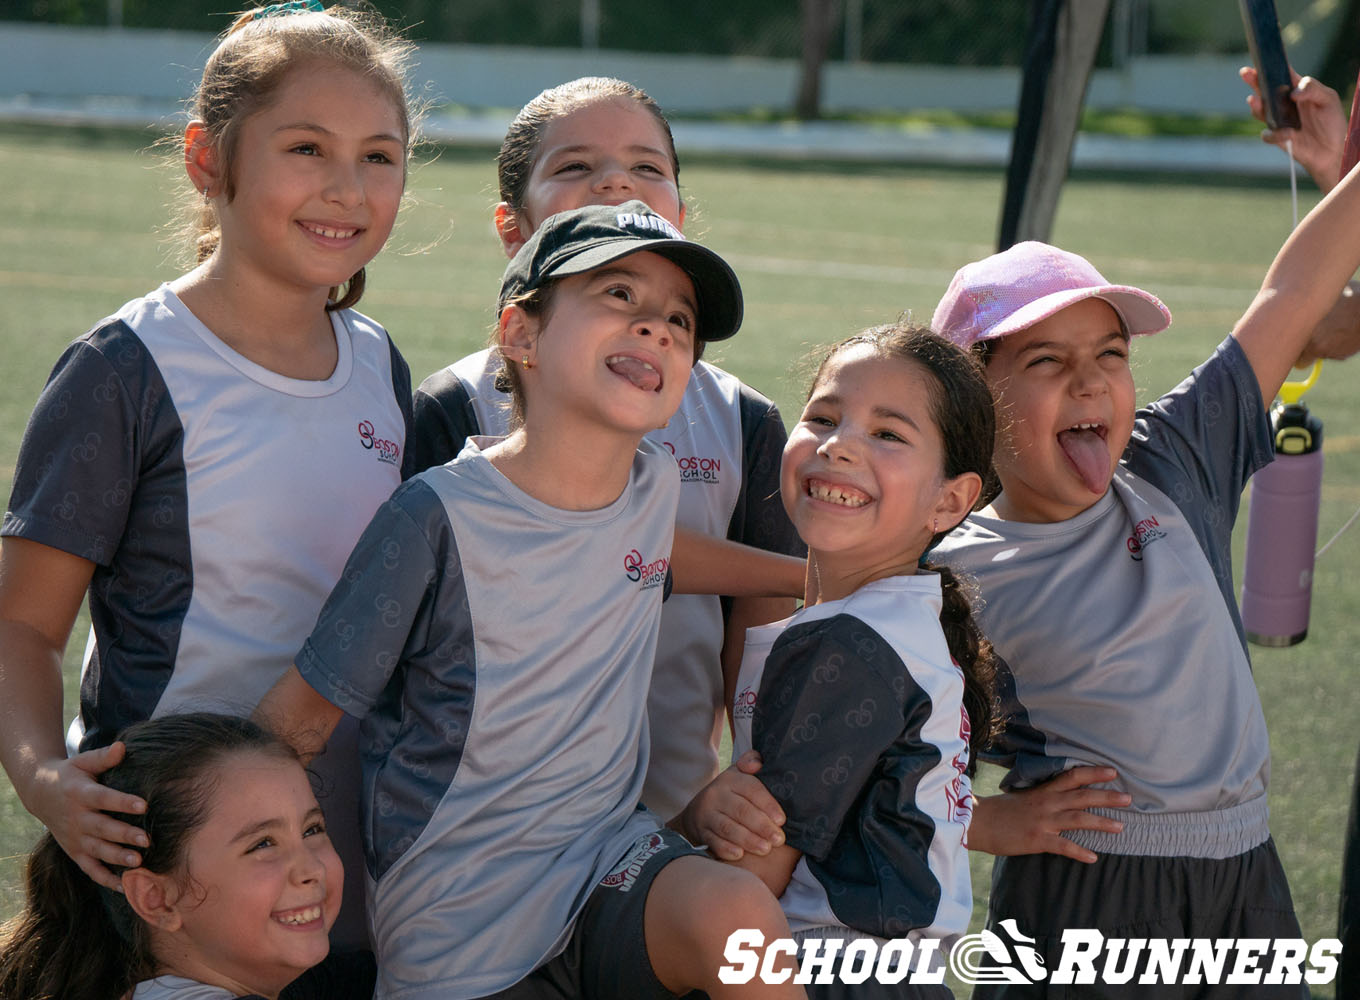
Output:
x=1142 y=312
x=716 y=288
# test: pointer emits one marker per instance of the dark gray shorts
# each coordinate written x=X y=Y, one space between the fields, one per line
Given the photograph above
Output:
x=1126 y=896
x=606 y=955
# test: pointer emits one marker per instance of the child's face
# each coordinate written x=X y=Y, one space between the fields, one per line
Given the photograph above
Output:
x=604 y=153
x=862 y=475
x=1065 y=408
x=617 y=346
x=262 y=884
x=319 y=175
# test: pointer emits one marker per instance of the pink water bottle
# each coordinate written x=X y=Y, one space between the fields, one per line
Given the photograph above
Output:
x=1282 y=521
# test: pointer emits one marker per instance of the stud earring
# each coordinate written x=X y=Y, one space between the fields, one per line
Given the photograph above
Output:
x=526 y=362
x=206 y=200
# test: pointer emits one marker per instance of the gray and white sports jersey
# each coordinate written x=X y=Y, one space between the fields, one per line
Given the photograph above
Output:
x=178 y=988
x=1119 y=631
x=217 y=499
x=857 y=710
x=727 y=440
x=499 y=651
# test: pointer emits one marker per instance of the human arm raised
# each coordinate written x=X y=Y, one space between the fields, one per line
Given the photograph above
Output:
x=1318 y=146
x=1302 y=286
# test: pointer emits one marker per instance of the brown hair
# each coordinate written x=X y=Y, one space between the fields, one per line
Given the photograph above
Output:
x=537 y=303
x=983 y=350
x=79 y=941
x=252 y=61
x=961 y=408
x=519 y=149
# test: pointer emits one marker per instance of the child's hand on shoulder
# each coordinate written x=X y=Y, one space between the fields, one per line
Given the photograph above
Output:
x=1032 y=821
x=734 y=814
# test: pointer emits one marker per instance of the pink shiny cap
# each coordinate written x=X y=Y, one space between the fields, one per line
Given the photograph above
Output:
x=1031 y=281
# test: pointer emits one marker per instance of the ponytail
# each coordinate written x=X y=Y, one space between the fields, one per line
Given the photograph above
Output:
x=972 y=651
x=65 y=944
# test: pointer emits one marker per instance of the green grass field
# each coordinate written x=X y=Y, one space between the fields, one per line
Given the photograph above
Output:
x=822 y=251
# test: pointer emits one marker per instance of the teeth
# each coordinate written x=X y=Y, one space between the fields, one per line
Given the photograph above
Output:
x=834 y=494
x=300 y=917
x=616 y=358
x=335 y=234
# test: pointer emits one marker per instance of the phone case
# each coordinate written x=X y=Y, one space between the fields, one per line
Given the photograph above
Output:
x=1272 y=66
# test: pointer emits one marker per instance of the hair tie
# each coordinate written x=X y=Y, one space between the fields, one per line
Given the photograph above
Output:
x=292 y=7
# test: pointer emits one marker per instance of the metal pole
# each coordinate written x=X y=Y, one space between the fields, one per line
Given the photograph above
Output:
x=854 y=30
x=1121 y=23
x=1064 y=37
x=590 y=24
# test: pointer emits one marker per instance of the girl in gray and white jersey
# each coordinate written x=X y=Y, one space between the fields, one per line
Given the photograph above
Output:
x=865 y=705
x=200 y=463
x=495 y=629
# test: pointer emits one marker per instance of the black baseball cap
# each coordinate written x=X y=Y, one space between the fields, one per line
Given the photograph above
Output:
x=583 y=239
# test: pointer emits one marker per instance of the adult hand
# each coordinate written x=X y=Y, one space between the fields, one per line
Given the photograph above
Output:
x=1337 y=337
x=74 y=807
x=734 y=814
x=1321 y=135
x=1032 y=821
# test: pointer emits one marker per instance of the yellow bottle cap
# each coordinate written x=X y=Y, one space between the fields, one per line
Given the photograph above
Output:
x=1292 y=392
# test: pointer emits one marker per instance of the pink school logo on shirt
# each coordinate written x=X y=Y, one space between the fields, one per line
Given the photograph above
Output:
x=1145 y=532
x=649 y=574
x=695 y=468
x=387 y=451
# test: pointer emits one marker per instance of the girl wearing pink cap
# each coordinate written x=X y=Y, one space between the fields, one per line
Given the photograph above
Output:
x=1135 y=797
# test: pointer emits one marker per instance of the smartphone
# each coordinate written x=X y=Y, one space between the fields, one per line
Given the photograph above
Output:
x=1272 y=67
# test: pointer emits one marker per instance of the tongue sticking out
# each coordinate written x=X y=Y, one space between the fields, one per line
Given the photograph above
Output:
x=1086 y=450
x=641 y=374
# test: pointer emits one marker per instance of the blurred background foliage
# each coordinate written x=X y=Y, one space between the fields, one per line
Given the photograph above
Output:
x=1319 y=34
